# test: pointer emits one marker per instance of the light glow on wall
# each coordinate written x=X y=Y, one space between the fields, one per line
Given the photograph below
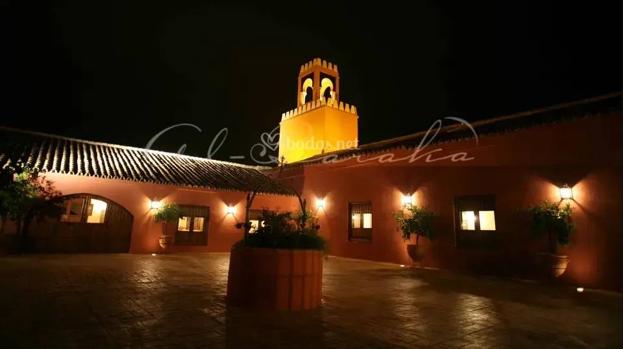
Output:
x=231 y=210
x=566 y=193
x=155 y=204
x=407 y=200
x=320 y=203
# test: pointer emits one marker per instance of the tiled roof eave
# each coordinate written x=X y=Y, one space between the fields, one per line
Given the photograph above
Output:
x=56 y=154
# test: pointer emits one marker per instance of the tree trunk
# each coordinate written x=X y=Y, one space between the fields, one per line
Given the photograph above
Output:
x=303 y=204
x=247 y=212
x=552 y=242
x=21 y=235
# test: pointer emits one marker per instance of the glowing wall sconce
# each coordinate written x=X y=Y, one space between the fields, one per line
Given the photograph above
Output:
x=231 y=210
x=155 y=204
x=320 y=203
x=406 y=200
x=566 y=193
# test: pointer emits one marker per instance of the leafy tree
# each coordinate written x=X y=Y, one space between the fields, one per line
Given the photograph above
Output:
x=416 y=221
x=168 y=213
x=555 y=221
x=25 y=195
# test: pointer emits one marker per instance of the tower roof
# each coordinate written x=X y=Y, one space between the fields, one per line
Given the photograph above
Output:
x=317 y=62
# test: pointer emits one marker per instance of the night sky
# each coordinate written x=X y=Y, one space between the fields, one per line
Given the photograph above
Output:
x=121 y=71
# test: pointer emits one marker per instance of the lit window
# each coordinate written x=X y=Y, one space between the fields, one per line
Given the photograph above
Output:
x=360 y=221
x=367 y=221
x=468 y=220
x=183 y=223
x=475 y=217
x=487 y=220
x=255 y=218
x=356 y=220
x=192 y=225
x=255 y=224
x=96 y=212
x=73 y=210
x=198 y=224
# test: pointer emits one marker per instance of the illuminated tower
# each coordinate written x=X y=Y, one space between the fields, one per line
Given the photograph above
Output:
x=321 y=123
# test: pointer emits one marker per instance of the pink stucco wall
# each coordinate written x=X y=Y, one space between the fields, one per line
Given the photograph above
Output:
x=520 y=168
x=136 y=198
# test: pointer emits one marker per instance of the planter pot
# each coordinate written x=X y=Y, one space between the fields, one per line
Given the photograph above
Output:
x=165 y=241
x=275 y=278
x=415 y=252
x=551 y=265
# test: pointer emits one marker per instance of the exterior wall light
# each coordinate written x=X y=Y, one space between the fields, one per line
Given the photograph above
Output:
x=566 y=193
x=320 y=203
x=231 y=209
x=155 y=204
x=406 y=200
x=580 y=289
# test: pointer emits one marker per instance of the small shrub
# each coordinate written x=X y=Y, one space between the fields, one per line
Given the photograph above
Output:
x=417 y=221
x=283 y=231
x=555 y=221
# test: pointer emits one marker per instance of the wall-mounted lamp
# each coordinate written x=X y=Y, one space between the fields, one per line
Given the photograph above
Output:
x=566 y=193
x=231 y=209
x=406 y=200
x=320 y=203
x=155 y=204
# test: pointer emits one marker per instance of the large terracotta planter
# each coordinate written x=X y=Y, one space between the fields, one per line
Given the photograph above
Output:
x=415 y=252
x=165 y=241
x=551 y=265
x=275 y=278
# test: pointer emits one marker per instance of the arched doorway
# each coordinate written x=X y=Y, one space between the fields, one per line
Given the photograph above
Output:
x=88 y=224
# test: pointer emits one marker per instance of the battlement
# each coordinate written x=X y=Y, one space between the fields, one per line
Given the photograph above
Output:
x=318 y=104
x=317 y=62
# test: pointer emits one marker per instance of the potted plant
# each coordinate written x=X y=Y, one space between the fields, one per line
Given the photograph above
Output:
x=167 y=213
x=555 y=221
x=279 y=266
x=415 y=221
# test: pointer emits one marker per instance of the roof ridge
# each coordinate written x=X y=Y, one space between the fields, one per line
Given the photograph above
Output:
x=504 y=117
x=50 y=135
x=451 y=128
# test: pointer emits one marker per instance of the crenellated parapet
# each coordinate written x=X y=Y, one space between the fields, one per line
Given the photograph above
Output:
x=317 y=62
x=318 y=104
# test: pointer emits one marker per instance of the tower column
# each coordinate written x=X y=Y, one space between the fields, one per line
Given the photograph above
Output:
x=316 y=85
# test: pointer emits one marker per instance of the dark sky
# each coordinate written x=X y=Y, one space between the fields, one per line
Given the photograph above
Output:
x=121 y=71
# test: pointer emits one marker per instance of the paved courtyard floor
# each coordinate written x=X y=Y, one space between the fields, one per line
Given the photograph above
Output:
x=178 y=301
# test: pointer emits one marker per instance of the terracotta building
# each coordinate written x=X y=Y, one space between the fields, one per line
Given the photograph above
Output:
x=478 y=179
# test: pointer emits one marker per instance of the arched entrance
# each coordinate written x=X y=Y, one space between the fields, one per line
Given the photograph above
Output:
x=88 y=224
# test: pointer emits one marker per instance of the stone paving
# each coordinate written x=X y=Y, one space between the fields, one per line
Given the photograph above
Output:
x=178 y=301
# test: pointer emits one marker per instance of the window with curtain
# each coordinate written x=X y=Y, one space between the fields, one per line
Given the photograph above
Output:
x=475 y=220
x=84 y=209
x=360 y=221
x=192 y=225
